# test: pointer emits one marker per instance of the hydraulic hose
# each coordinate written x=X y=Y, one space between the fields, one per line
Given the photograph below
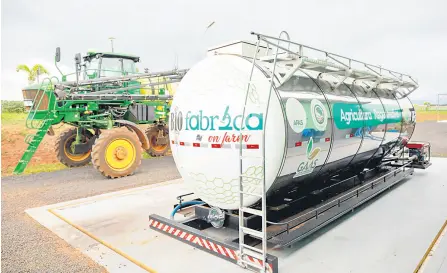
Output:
x=179 y=206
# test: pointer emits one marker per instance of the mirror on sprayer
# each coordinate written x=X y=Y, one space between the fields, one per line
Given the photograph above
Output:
x=78 y=65
x=78 y=58
x=58 y=54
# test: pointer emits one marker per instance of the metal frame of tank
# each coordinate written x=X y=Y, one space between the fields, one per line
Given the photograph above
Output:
x=297 y=218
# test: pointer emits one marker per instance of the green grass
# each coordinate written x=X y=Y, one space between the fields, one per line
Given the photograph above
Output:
x=14 y=118
x=51 y=167
x=37 y=169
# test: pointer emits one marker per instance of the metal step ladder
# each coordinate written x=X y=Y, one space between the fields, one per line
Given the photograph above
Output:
x=40 y=117
x=248 y=253
x=33 y=142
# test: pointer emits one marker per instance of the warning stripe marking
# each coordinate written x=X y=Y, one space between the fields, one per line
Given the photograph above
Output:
x=222 y=250
x=198 y=241
x=252 y=146
x=298 y=144
x=230 y=253
x=214 y=247
x=214 y=145
x=205 y=243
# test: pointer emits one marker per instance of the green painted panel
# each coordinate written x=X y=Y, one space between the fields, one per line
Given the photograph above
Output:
x=352 y=115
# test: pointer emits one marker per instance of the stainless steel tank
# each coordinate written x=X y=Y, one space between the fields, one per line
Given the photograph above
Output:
x=312 y=131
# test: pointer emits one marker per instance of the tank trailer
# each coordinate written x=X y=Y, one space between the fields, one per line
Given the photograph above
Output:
x=285 y=139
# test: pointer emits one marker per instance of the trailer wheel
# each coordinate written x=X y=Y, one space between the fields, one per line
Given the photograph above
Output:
x=157 y=149
x=116 y=152
x=63 y=148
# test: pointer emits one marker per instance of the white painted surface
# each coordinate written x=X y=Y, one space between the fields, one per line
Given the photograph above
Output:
x=207 y=110
x=390 y=234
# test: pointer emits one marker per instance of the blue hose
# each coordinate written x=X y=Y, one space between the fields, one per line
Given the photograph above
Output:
x=179 y=206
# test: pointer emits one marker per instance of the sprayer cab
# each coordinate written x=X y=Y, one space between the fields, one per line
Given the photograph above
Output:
x=109 y=64
x=96 y=65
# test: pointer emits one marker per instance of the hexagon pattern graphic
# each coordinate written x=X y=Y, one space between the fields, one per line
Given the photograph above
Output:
x=227 y=191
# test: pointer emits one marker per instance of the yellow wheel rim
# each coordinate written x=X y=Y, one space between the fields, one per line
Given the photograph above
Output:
x=74 y=157
x=120 y=154
x=158 y=148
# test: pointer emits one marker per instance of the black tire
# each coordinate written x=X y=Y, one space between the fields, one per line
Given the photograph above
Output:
x=63 y=152
x=154 y=149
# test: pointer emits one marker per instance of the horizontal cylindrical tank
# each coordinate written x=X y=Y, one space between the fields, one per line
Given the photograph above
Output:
x=310 y=130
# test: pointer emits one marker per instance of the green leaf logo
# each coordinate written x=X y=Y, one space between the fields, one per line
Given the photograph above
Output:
x=309 y=147
x=312 y=153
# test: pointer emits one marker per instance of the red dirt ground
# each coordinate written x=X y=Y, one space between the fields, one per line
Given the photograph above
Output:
x=430 y=116
x=13 y=147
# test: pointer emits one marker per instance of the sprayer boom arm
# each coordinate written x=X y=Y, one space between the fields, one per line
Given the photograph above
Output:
x=168 y=74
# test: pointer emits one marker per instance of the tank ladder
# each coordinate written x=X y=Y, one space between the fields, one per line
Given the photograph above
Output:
x=247 y=254
x=40 y=119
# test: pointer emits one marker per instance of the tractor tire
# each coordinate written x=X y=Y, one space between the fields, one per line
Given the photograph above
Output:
x=117 y=152
x=154 y=149
x=63 y=151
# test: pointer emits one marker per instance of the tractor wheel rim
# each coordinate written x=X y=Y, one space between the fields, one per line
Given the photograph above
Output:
x=120 y=154
x=70 y=155
x=158 y=148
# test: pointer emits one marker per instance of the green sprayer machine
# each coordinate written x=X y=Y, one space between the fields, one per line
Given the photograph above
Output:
x=106 y=103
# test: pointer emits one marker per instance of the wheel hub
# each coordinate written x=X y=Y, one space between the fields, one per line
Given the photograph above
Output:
x=120 y=152
x=69 y=150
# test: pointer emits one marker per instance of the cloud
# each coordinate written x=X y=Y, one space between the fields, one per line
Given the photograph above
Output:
x=13 y=81
x=408 y=36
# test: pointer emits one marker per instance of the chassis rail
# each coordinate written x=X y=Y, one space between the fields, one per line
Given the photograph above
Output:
x=292 y=229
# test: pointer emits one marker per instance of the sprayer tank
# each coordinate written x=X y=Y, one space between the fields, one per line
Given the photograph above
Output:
x=310 y=129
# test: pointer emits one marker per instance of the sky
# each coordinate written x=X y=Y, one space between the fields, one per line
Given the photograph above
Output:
x=405 y=36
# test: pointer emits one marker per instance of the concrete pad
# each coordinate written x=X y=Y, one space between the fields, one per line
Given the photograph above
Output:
x=120 y=221
x=390 y=234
